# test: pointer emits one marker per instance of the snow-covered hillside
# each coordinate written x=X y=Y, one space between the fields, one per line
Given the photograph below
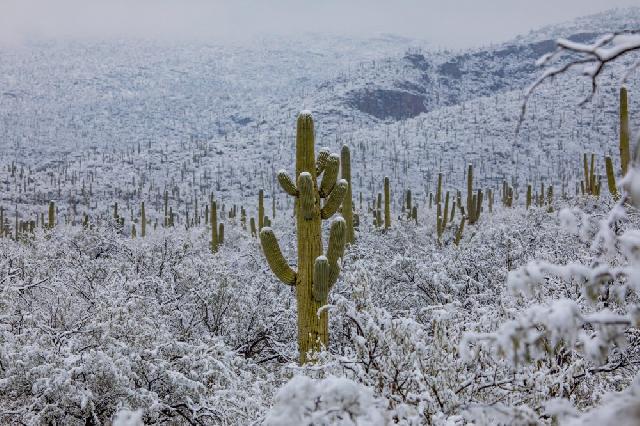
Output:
x=525 y=315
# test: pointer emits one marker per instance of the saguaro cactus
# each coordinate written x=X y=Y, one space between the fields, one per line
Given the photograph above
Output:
x=260 y=210
x=387 y=207
x=624 y=131
x=347 y=203
x=474 y=202
x=611 y=179
x=143 y=222
x=52 y=215
x=316 y=273
x=213 y=221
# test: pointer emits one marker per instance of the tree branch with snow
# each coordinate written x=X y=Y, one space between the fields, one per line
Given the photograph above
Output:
x=592 y=58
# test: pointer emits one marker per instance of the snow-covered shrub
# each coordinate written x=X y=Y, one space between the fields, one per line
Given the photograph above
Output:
x=329 y=401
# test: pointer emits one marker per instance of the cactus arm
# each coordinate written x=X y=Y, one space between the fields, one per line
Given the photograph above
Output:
x=274 y=256
x=306 y=195
x=321 y=279
x=287 y=184
x=335 y=199
x=321 y=162
x=329 y=176
x=335 y=249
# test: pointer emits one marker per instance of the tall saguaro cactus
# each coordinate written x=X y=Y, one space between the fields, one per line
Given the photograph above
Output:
x=316 y=272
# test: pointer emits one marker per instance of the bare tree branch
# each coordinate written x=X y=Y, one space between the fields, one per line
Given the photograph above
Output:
x=594 y=58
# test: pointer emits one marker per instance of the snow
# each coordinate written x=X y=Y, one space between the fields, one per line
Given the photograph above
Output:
x=525 y=322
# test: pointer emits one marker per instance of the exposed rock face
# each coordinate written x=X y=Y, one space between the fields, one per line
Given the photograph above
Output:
x=387 y=103
x=427 y=85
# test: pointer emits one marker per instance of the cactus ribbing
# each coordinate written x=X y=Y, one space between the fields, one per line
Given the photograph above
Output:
x=316 y=273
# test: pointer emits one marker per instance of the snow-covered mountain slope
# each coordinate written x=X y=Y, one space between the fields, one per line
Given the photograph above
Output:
x=126 y=120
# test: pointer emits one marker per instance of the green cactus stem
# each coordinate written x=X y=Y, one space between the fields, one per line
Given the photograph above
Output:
x=260 y=210
x=213 y=221
x=387 y=207
x=143 y=221
x=611 y=178
x=316 y=273
x=220 y=234
x=624 y=131
x=459 y=231
x=252 y=225
x=52 y=215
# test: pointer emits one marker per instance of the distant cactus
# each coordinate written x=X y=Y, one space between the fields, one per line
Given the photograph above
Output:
x=143 y=222
x=260 y=210
x=387 y=207
x=316 y=273
x=611 y=179
x=528 y=196
x=220 y=234
x=213 y=222
x=474 y=201
x=438 y=190
x=459 y=231
x=624 y=131
x=252 y=225
x=52 y=215
x=440 y=225
x=347 y=203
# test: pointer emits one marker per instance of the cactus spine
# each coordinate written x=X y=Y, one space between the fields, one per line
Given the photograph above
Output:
x=316 y=273
x=347 y=203
x=624 y=131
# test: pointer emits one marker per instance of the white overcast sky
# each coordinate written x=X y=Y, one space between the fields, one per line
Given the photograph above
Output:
x=446 y=23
